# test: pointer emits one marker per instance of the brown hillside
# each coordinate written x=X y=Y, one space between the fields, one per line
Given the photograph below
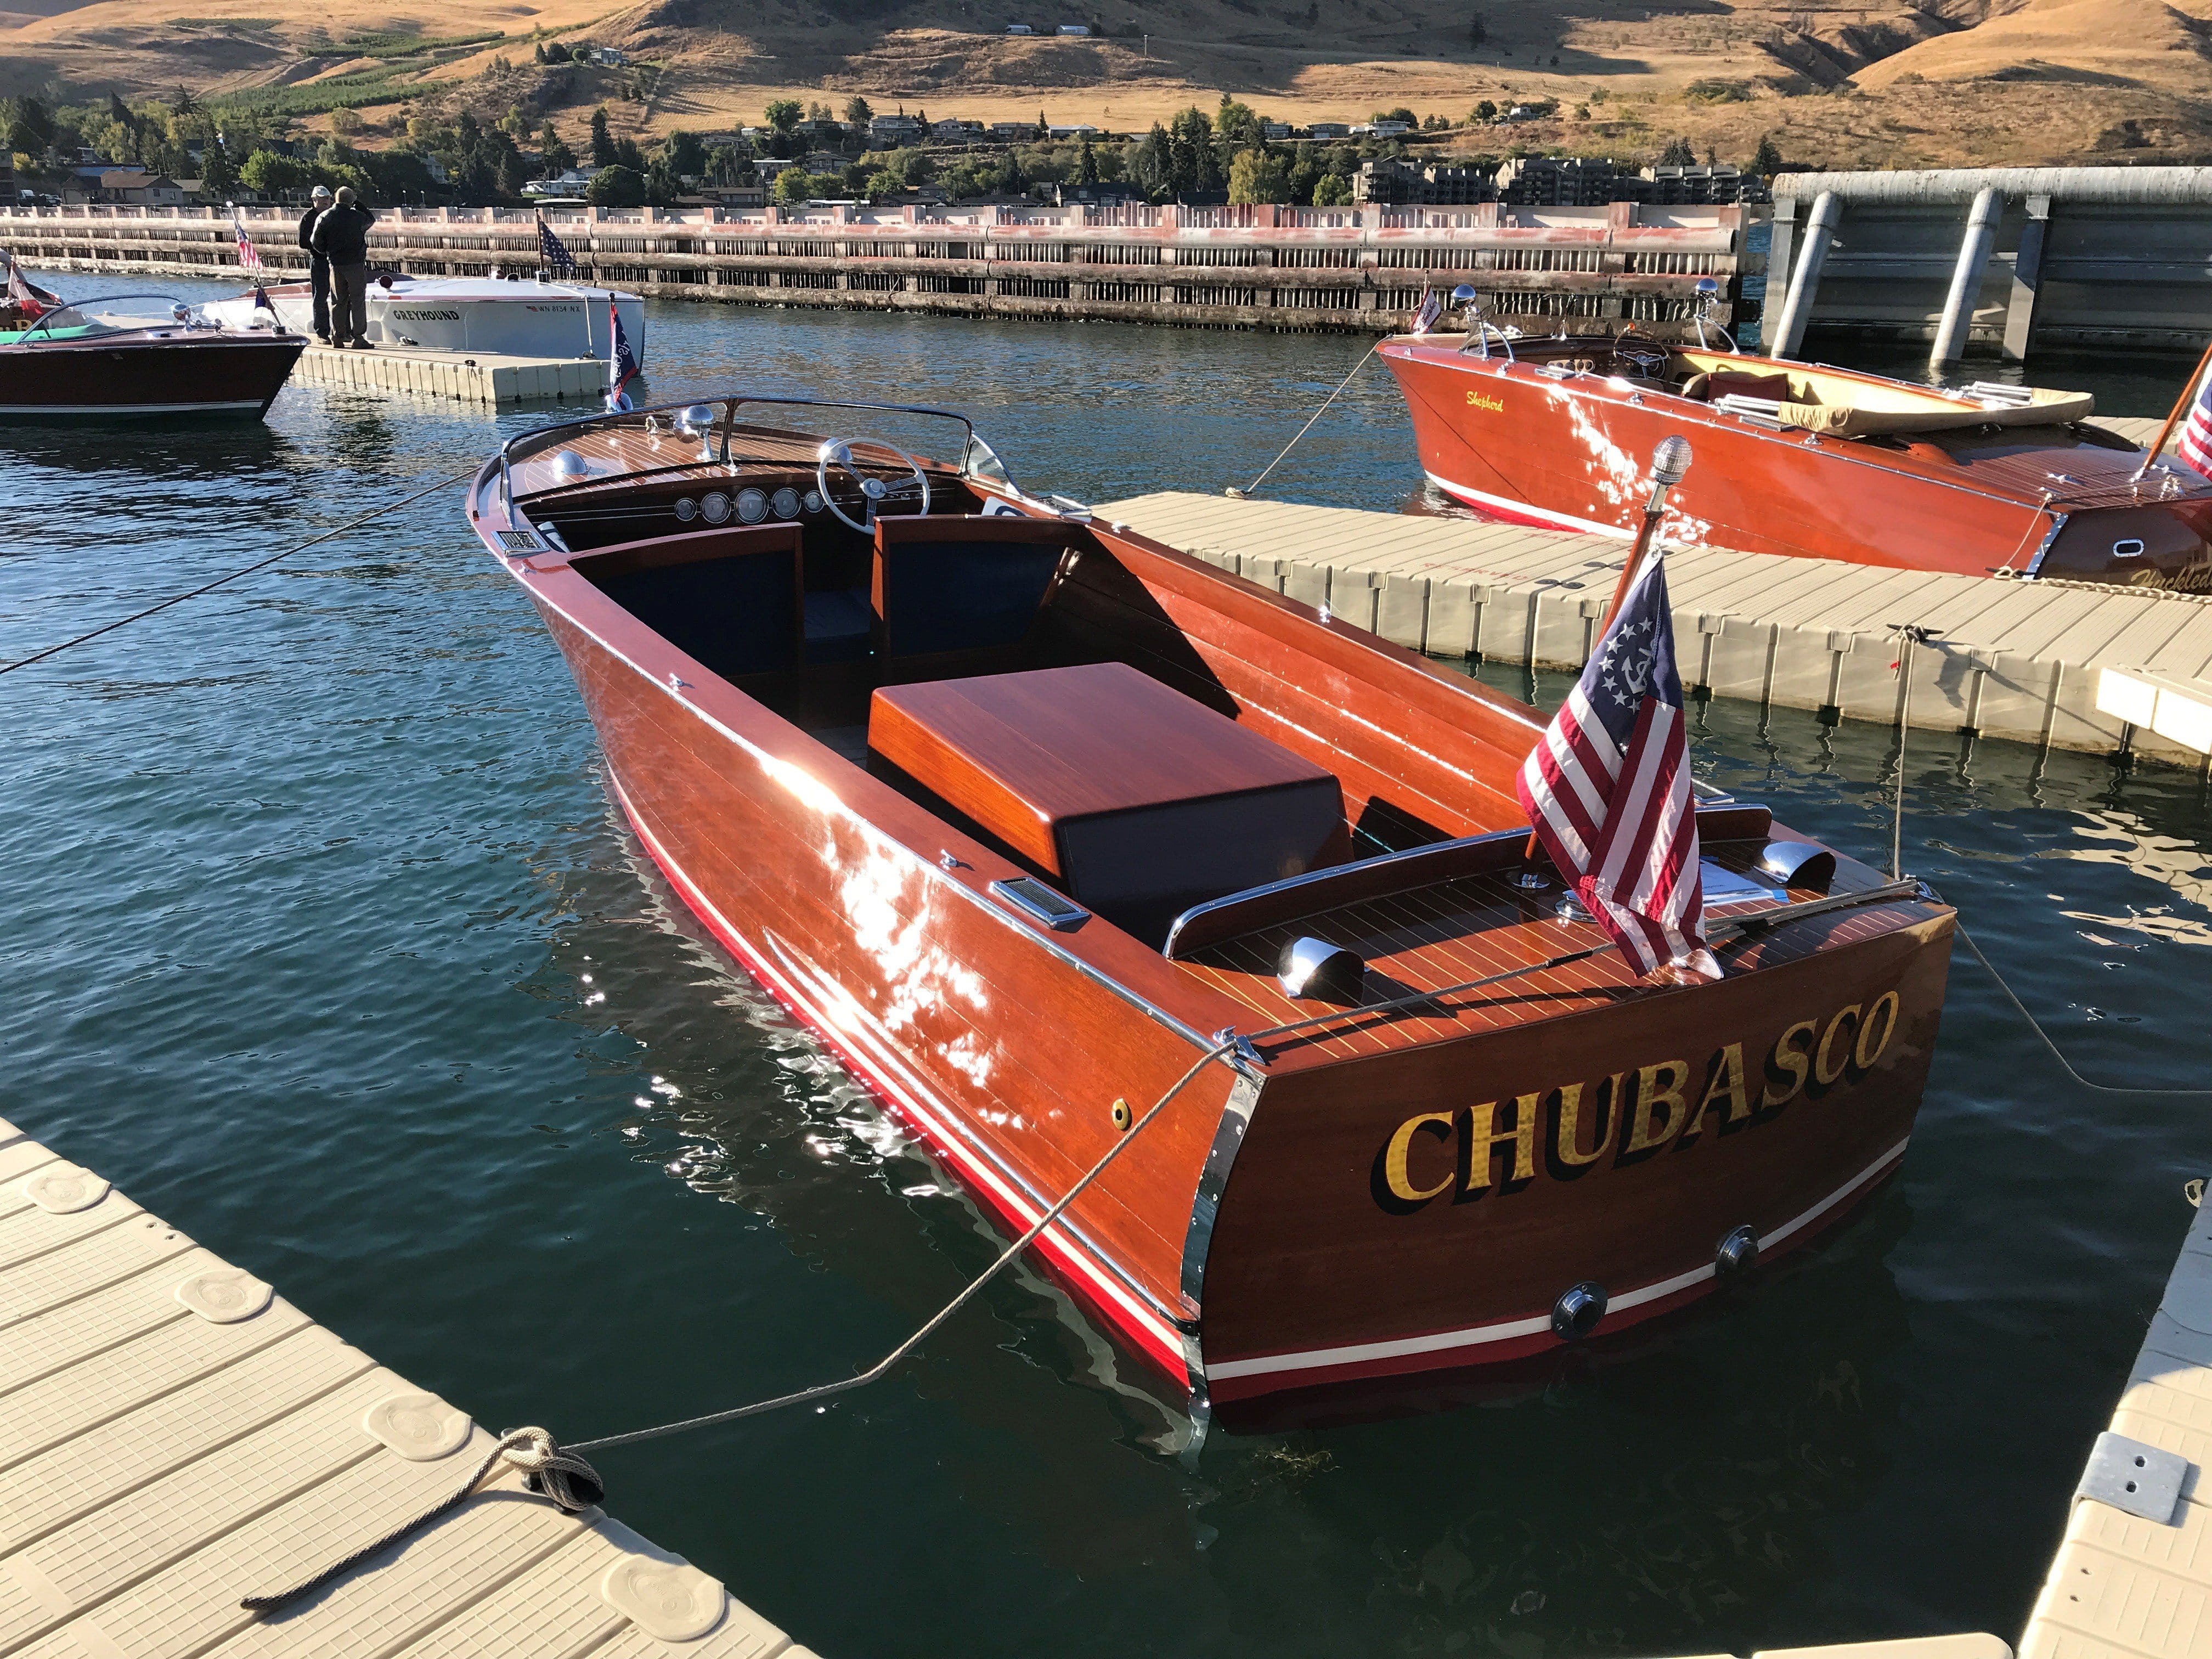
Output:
x=1882 y=83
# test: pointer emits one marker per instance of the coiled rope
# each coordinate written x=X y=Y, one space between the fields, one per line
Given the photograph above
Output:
x=243 y=570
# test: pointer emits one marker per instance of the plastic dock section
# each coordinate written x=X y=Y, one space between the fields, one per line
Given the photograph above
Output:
x=2133 y=1579
x=472 y=377
x=175 y=1436
x=2025 y=660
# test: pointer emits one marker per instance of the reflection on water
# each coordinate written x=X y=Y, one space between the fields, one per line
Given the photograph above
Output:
x=325 y=943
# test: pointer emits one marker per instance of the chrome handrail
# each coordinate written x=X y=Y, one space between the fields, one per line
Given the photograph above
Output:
x=1479 y=332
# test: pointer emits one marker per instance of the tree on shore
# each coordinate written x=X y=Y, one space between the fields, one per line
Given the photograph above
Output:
x=603 y=141
x=616 y=187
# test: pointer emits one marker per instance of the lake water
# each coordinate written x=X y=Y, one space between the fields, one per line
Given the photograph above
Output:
x=324 y=942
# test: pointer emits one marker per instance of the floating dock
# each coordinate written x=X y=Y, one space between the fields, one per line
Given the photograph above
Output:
x=2023 y=660
x=469 y=377
x=2133 y=1579
x=175 y=1436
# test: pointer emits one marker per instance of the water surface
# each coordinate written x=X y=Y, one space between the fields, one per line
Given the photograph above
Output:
x=324 y=944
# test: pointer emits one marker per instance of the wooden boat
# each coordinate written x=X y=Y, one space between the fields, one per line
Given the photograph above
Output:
x=1026 y=815
x=1799 y=458
x=138 y=354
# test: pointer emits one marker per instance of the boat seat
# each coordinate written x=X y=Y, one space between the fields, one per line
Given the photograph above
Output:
x=946 y=583
x=839 y=624
x=729 y=598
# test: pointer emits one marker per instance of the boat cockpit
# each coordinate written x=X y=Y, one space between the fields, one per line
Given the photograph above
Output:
x=1142 y=747
x=120 y=313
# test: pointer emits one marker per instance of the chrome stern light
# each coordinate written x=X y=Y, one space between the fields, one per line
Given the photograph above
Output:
x=1314 y=969
x=1670 y=462
x=699 y=418
x=1799 y=864
x=568 y=467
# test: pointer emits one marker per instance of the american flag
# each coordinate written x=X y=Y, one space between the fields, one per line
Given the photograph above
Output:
x=551 y=250
x=621 y=361
x=248 y=255
x=1607 y=789
x=34 y=300
x=2194 y=446
x=1431 y=308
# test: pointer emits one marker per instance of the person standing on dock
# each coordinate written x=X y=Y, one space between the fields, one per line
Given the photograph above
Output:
x=319 y=268
x=341 y=236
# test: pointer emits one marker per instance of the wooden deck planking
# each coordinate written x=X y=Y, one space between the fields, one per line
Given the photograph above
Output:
x=2012 y=659
x=160 y=1464
x=2125 y=1587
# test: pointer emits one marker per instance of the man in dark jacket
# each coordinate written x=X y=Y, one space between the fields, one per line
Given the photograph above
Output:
x=319 y=268
x=341 y=235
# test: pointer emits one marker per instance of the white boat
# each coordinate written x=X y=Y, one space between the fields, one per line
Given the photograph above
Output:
x=519 y=317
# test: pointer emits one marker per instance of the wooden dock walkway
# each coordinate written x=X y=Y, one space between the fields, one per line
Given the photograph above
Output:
x=2015 y=659
x=175 y=1436
x=469 y=377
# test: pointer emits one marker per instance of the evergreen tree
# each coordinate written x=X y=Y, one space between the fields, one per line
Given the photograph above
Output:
x=1086 y=163
x=603 y=143
x=1768 y=161
x=1677 y=154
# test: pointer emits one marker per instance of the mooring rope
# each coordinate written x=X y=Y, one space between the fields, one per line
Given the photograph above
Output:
x=1308 y=427
x=536 y=1450
x=1907 y=637
x=246 y=570
x=560 y=1476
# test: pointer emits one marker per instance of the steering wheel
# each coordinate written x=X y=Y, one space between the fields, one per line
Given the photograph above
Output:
x=874 y=492
x=1646 y=358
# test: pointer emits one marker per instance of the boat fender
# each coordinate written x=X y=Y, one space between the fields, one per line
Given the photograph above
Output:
x=1578 y=1309
x=1737 y=1254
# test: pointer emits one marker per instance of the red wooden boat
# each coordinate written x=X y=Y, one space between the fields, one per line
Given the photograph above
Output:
x=1801 y=458
x=1025 y=814
x=139 y=355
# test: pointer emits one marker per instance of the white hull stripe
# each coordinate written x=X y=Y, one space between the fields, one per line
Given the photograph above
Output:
x=1506 y=504
x=894 y=1077
x=1480 y=1335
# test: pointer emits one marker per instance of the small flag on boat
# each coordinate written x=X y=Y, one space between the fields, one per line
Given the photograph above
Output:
x=551 y=250
x=261 y=299
x=26 y=295
x=621 y=361
x=1431 y=308
x=248 y=255
x=2194 y=446
x=1607 y=789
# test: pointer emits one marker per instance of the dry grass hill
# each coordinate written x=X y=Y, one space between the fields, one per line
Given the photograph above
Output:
x=1876 y=83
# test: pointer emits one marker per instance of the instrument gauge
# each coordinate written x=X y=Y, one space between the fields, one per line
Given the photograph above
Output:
x=752 y=506
x=686 y=509
x=716 y=508
x=813 y=500
x=786 y=502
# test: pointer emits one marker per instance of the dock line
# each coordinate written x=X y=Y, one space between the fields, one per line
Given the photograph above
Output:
x=1243 y=494
x=258 y=564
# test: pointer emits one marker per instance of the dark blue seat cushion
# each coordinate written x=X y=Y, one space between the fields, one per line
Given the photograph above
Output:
x=956 y=595
x=838 y=622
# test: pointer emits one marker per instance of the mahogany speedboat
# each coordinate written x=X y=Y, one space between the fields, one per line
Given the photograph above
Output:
x=138 y=354
x=1800 y=458
x=1026 y=814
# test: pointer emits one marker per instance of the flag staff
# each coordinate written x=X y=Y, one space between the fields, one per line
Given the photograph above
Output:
x=1670 y=462
x=2188 y=391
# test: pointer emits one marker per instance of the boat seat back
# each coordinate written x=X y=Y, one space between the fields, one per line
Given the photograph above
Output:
x=945 y=584
x=731 y=597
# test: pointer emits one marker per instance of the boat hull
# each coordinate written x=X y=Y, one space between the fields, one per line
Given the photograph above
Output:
x=510 y=320
x=1573 y=453
x=134 y=377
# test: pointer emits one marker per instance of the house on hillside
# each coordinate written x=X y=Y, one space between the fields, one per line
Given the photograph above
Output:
x=1072 y=28
x=1020 y=28
x=122 y=186
x=1013 y=133
x=890 y=131
x=1329 y=129
x=957 y=132
x=1080 y=129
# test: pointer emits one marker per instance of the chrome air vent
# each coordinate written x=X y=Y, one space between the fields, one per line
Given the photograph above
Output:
x=520 y=541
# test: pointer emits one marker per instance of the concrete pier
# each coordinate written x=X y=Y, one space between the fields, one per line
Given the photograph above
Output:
x=2022 y=660
x=1279 y=268
x=2074 y=256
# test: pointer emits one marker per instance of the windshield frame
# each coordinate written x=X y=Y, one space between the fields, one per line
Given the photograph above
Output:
x=524 y=446
x=44 y=321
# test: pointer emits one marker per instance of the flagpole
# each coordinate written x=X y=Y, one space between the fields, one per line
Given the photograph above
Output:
x=1670 y=461
x=2188 y=391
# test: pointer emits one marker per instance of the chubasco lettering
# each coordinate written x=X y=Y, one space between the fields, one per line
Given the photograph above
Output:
x=1469 y=1151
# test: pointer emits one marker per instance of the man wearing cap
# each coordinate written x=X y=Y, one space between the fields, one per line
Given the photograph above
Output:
x=319 y=268
x=341 y=235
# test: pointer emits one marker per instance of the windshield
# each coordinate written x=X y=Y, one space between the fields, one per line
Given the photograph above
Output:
x=124 y=313
x=737 y=432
